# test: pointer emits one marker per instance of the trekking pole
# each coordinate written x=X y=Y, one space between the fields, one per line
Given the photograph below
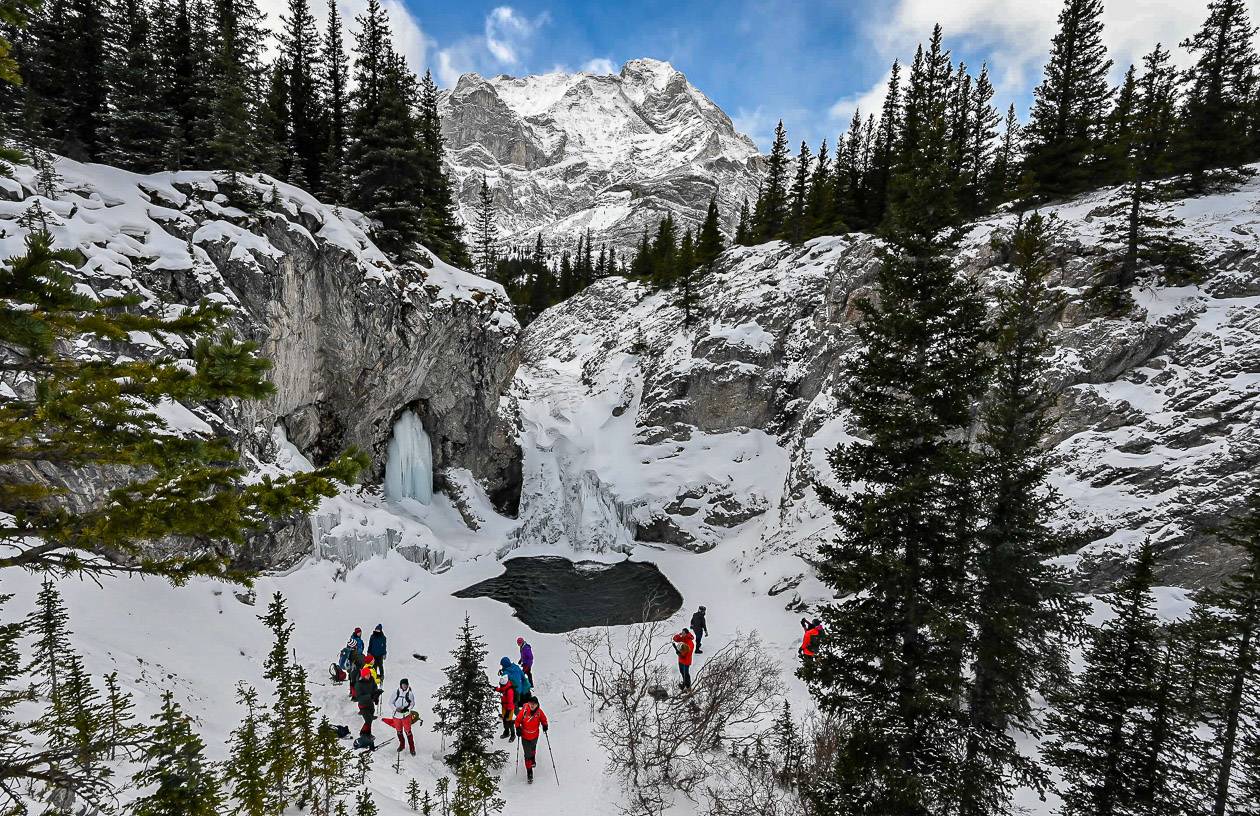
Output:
x=518 y=755
x=553 y=758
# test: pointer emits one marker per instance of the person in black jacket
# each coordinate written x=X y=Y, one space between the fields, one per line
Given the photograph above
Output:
x=376 y=648
x=365 y=694
x=699 y=628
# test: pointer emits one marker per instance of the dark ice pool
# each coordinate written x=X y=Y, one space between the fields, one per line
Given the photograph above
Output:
x=553 y=594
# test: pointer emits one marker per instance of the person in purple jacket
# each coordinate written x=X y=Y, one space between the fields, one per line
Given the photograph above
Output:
x=527 y=659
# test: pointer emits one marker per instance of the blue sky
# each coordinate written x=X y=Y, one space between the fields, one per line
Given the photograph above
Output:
x=810 y=63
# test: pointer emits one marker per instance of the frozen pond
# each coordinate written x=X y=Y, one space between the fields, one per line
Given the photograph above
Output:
x=553 y=594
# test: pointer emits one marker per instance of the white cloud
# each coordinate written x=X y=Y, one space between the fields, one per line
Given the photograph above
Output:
x=868 y=102
x=599 y=65
x=507 y=40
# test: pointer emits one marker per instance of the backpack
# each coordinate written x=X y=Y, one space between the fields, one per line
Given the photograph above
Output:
x=337 y=673
x=342 y=731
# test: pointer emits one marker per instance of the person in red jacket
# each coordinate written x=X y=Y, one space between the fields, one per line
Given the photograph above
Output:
x=685 y=646
x=528 y=721
x=813 y=631
x=507 y=699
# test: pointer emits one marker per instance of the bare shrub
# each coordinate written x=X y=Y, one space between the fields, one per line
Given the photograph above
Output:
x=659 y=741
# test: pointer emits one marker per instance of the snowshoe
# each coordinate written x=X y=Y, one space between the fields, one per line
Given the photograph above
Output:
x=365 y=742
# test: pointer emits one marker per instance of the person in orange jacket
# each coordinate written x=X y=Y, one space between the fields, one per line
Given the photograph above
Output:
x=685 y=646
x=507 y=701
x=529 y=720
x=813 y=632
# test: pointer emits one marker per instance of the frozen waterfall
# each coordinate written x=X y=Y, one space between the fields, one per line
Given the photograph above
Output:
x=409 y=462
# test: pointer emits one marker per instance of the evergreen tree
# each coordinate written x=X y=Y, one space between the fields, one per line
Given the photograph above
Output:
x=83 y=100
x=788 y=746
x=444 y=232
x=119 y=729
x=743 y=232
x=886 y=146
x=1144 y=233
x=476 y=790
x=849 y=184
x=982 y=122
x=891 y=665
x=664 y=253
x=279 y=757
x=300 y=45
x=245 y=772
x=1219 y=83
x=1024 y=611
x=235 y=78
x=73 y=728
x=486 y=231
x=303 y=738
x=182 y=781
x=363 y=804
x=331 y=769
x=414 y=795
x=818 y=211
x=1229 y=618
x=925 y=143
x=139 y=130
x=1118 y=132
x=1005 y=171
x=771 y=212
x=795 y=228
x=1098 y=721
x=1070 y=104
x=49 y=624
x=709 y=244
x=336 y=75
x=467 y=705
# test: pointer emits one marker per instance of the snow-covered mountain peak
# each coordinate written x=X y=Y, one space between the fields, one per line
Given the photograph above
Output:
x=612 y=153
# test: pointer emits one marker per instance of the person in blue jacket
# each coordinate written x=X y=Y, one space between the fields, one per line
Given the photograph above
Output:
x=520 y=683
x=376 y=648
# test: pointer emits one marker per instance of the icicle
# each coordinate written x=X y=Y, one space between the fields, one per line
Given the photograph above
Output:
x=409 y=462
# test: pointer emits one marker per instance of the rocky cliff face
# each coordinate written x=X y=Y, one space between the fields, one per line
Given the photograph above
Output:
x=638 y=429
x=354 y=340
x=613 y=154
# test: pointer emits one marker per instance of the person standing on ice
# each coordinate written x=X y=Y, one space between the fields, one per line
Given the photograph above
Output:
x=376 y=648
x=520 y=683
x=529 y=720
x=527 y=659
x=700 y=628
x=404 y=703
x=685 y=646
x=507 y=702
x=365 y=695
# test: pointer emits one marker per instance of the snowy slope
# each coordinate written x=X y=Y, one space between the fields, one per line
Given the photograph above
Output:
x=610 y=153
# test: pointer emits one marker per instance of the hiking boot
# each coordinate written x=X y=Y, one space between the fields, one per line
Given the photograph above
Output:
x=529 y=775
x=411 y=744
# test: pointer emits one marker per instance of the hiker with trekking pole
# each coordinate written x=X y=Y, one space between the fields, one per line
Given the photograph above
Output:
x=529 y=720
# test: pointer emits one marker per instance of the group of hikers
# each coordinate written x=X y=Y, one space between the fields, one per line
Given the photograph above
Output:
x=522 y=716
x=364 y=668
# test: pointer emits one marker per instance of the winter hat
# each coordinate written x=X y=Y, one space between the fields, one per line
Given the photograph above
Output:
x=505 y=662
x=358 y=631
x=685 y=631
x=403 y=682
x=520 y=641
x=368 y=659
x=380 y=627
x=702 y=609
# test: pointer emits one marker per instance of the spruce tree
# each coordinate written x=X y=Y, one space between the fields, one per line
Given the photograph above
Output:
x=664 y=253
x=414 y=795
x=743 y=232
x=74 y=728
x=180 y=780
x=1218 y=88
x=331 y=769
x=850 y=180
x=486 y=233
x=467 y=705
x=303 y=737
x=709 y=244
x=443 y=230
x=139 y=129
x=1099 y=716
x=300 y=45
x=1229 y=618
x=335 y=93
x=363 y=804
x=119 y=729
x=819 y=215
x=885 y=147
x=245 y=772
x=1070 y=104
x=1024 y=613
x=794 y=231
x=279 y=755
x=49 y=625
x=476 y=790
x=771 y=212
x=982 y=122
x=1144 y=233
x=891 y=663
x=1004 y=175
x=236 y=71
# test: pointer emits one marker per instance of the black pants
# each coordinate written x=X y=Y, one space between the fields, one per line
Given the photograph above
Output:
x=528 y=671
x=685 y=671
x=379 y=662
x=368 y=713
x=531 y=751
x=699 y=637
